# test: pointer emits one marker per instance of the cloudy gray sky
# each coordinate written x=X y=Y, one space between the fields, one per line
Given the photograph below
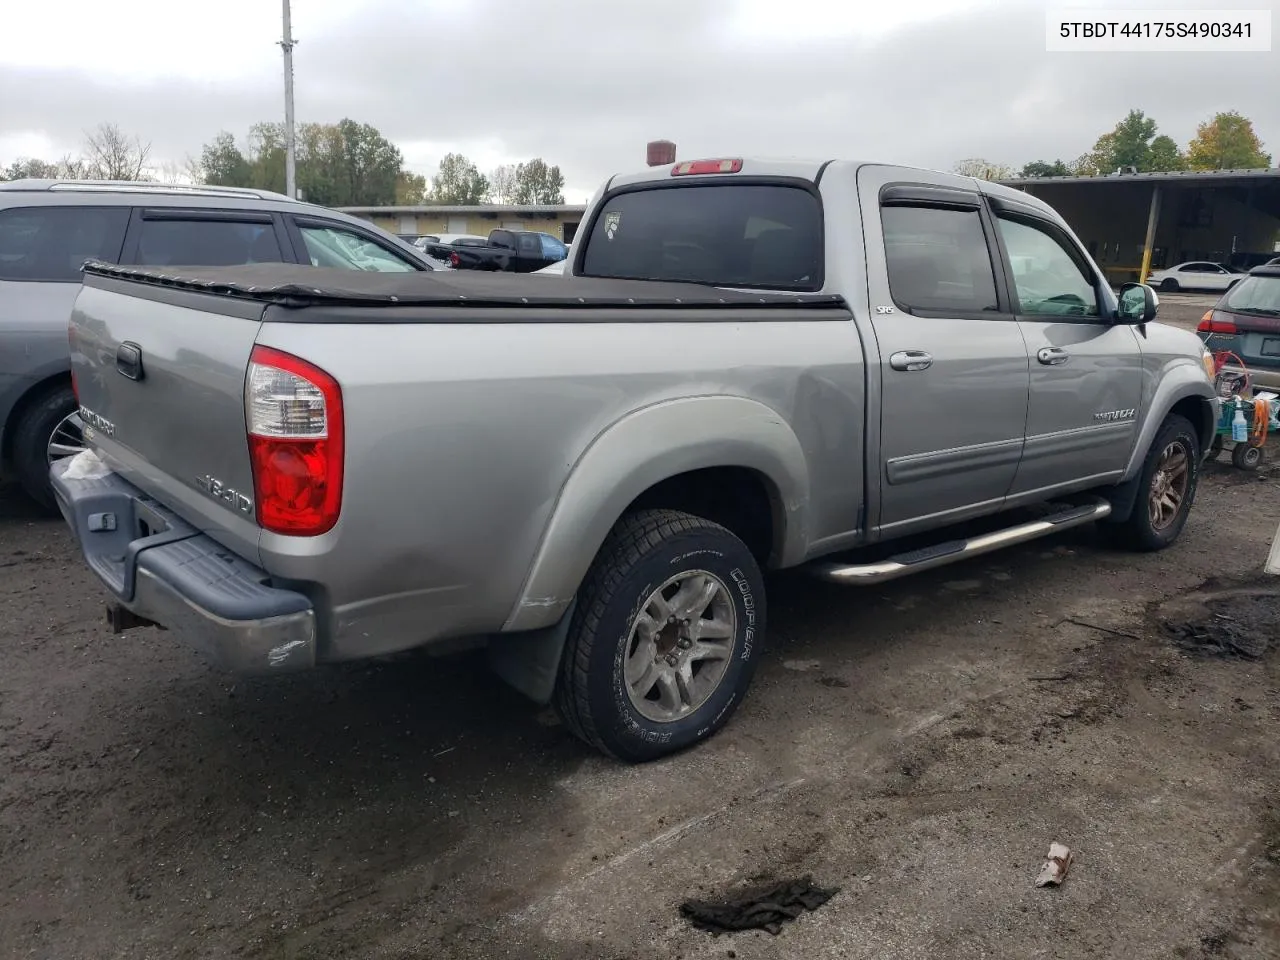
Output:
x=585 y=83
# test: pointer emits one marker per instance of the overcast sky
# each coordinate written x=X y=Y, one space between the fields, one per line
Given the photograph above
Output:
x=586 y=83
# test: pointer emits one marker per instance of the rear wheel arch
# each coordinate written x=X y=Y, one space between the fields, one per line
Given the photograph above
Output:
x=32 y=397
x=671 y=455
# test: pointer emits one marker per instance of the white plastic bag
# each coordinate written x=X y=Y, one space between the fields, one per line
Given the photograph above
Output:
x=85 y=465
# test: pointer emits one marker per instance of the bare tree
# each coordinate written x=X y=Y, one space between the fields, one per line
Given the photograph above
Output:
x=112 y=155
x=188 y=171
x=983 y=169
x=502 y=184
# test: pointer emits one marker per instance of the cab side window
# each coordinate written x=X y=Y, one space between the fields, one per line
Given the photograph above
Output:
x=938 y=260
x=50 y=243
x=1047 y=279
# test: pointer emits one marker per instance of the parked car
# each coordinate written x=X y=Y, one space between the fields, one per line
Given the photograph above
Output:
x=1246 y=322
x=512 y=251
x=49 y=228
x=439 y=246
x=591 y=474
x=1195 y=275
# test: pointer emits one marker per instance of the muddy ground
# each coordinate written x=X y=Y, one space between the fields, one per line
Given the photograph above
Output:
x=918 y=745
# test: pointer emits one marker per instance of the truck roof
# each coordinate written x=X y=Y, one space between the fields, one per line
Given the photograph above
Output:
x=298 y=285
x=810 y=168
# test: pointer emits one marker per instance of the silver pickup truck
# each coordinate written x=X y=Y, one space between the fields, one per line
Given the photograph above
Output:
x=865 y=369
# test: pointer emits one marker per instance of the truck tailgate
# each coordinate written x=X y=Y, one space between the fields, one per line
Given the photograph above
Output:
x=161 y=390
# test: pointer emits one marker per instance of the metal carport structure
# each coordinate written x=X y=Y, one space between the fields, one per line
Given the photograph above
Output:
x=1135 y=222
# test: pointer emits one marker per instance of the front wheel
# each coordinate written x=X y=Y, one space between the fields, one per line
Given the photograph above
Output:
x=1166 y=489
x=1169 y=285
x=665 y=636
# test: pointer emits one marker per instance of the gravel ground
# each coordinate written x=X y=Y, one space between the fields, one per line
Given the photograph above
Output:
x=918 y=745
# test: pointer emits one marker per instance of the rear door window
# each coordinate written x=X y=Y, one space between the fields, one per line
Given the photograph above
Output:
x=762 y=236
x=1257 y=294
x=939 y=261
x=174 y=241
x=52 y=243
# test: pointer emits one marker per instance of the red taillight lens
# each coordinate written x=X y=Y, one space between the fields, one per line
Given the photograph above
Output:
x=293 y=412
x=453 y=259
x=1211 y=322
x=690 y=167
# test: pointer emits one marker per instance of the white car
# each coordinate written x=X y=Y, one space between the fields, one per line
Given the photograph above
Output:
x=1195 y=275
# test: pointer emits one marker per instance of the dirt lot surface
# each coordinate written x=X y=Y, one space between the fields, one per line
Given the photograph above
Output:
x=918 y=746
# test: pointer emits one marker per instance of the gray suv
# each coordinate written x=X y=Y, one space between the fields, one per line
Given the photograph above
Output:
x=48 y=228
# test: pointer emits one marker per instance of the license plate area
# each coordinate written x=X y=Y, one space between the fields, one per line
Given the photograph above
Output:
x=1270 y=347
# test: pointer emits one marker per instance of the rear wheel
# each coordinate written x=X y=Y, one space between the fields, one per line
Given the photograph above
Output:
x=1168 y=284
x=665 y=636
x=49 y=430
x=1166 y=489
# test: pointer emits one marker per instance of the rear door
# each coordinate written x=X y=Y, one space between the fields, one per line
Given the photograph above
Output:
x=953 y=365
x=1086 y=372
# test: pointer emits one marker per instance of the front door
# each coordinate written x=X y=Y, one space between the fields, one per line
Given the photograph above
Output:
x=1086 y=371
x=953 y=365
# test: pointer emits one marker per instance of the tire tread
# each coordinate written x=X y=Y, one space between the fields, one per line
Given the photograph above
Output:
x=626 y=544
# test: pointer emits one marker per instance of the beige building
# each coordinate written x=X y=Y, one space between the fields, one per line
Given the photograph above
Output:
x=560 y=221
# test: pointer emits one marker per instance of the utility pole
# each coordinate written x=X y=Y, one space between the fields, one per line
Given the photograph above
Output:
x=290 y=186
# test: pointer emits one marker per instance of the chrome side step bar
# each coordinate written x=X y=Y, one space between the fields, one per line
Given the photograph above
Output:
x=926 y=558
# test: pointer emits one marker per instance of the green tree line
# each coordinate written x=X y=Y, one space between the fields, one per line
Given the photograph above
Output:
x=336 y=164
x=1226 y=142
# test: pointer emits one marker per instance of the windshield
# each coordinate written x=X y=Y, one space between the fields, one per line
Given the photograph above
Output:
x=1255 y=295
x=766 y=236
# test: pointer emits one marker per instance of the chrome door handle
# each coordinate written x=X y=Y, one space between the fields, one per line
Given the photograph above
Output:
x=1053 y=356
x=911 y=360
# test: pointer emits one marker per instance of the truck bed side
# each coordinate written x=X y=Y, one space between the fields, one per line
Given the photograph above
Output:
x=463 y=424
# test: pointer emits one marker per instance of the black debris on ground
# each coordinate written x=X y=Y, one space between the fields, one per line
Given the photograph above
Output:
x=1241 y=627
x=759 y=908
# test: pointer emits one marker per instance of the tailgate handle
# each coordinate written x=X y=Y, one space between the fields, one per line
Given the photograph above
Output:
x=129 y=360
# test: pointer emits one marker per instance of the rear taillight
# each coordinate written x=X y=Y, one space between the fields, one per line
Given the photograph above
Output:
x=453 y=259
x=691 y=167
x=1212 y=322
x=293 y=412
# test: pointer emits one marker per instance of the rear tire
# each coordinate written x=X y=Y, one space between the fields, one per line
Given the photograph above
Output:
x=32 y=439
x=1169 y=285
x=1166 y=490
x=638 y=689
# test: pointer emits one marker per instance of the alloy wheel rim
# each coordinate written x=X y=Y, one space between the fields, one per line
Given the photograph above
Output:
x=680 y=646
x=67 y=438
x=1169 y=485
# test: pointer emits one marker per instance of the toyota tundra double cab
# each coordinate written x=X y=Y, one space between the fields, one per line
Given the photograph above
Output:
x=859 y=369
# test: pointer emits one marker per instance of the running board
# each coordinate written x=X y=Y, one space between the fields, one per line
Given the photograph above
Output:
x=926 y=558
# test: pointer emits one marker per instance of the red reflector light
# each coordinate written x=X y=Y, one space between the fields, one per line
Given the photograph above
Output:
x=690 y=167
x=293 y=412
x=453 y=260
x=1212 y=323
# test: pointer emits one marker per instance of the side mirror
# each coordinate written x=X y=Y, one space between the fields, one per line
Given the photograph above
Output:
x=1138 y=304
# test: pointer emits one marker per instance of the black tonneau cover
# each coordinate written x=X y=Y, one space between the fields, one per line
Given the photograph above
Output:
x=296 y=285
